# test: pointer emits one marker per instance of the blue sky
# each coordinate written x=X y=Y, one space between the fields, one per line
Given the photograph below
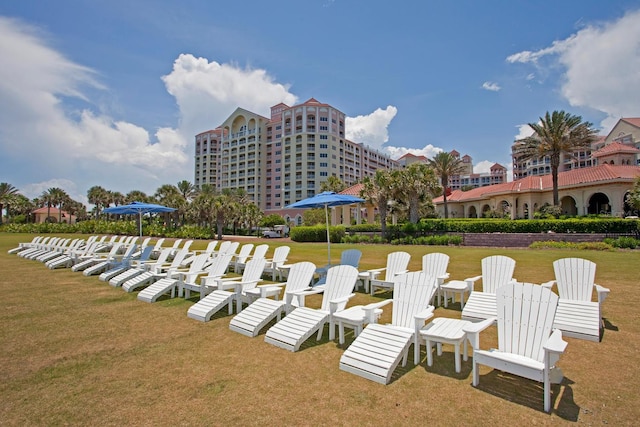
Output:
x=112 y=93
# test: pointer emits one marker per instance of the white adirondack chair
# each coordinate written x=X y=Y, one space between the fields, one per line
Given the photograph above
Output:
x=122 y=260
x=98 y=257
x=348 y=257
x=259 y=251
x=139 y=267
x=24 y=245
x=303 y=322
x=527 y=344
x=212 y=303
x=155 y=272
x=264 y=309
x=497 y=271
x=436 y=264
x=397 y=263
x=274 y=265
x=242 y=256
x=377 y=351
x=216 y=270
x=578 y=316
x=126 y=265
x=169 y=283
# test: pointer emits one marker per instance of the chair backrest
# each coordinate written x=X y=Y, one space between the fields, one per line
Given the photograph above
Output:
x=300 y=276
x=198 y=263
x=114 y=250
x=525 y=318
x=497 y=271
x=351 y=257
x=180 y=256
x=245 y=251
x=145 y=243
x=575 y=278
x=232 y=248
x=224 y=246
x=341 y=280
x=164 y=256
x=129 y=252
x=280 y=255
x=211 y=247
x=435 y=264
x=260 y=251
x=187 y=244
x=396 y=262
x=176 y=244
x=157 y=247
x=145 y=254
x=219 y=266
x=254 y=269
x=411 y=294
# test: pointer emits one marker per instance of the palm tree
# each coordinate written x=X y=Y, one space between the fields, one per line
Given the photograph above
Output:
x=136 y=196
x=99 y=197
x=7 y=192
x=333 y=183
x=414 y=186
x=556 y=134
x=188 y=192
x=445 y=165
x=47 y=200
x=58 y=197
x=377 y=190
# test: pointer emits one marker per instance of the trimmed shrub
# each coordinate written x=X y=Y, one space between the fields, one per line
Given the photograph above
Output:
x=317 y=233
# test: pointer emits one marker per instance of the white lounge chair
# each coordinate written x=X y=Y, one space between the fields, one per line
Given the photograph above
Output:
x=397 y=263
x=436 y=264
x=377 y=351
x=264 y=309
x=117 y=260
x=125 y=264
x=497 y=271
x=216 y=300
x=274 y=264
x=156 y=272
x=139 y=267
x=169 y=283
x=347 y=257
x=527 y=345
x=303 y=322
x=216 y=270
x=97 y=258
x=578 y=316
x=25 y=245
x=260 y=251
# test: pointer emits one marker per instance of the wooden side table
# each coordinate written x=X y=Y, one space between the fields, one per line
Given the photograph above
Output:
x=445 y=331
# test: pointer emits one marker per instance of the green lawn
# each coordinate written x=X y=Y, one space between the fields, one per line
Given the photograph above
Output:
x=78 y=351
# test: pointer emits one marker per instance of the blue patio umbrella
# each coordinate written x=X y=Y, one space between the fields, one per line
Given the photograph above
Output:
x=138 y=208
x=326 y=200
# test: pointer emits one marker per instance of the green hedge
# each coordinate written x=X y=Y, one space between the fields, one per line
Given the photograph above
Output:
x=470 y=225
x=317 y=233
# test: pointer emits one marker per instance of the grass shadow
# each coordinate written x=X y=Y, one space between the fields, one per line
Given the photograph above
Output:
x=530 y=393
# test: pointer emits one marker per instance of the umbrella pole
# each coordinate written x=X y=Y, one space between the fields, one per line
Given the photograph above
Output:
x=326 y=214
x=140 y=222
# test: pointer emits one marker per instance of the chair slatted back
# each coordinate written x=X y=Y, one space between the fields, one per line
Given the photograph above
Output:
x=341 y=280
x=411 y=294
x=396 y=262
x=497 y=271
x=245 y=251
x=435 y=264
x=280 y=255
x=219 y=266
x=525 y=318
x=300 y=277
x=575 y=278
x=253 y=272
x=260 y=251
x=351 y=257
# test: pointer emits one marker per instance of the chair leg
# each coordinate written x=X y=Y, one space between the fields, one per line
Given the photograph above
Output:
x=429 y=353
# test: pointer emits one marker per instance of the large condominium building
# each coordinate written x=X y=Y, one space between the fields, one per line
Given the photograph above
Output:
x=466 y=179
x=284 y=158
x=619 y=147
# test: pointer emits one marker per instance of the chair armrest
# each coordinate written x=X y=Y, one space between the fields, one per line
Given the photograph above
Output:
x=370 y=310
x=602 y=293
x=373 y=273
x=548 y=284
x=333 y=304
x=425 y=314
x=473 y=331
x=555 y=343
x=239 y=286
x=308 y=291
x=208 y=279
x=397 y=273
x=473 y=279
x=264 y=289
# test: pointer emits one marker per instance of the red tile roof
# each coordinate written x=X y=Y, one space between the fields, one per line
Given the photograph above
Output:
x=635 y=121
x=52 y=211
x=354 y=190
x=615 y=147
x=543 y=183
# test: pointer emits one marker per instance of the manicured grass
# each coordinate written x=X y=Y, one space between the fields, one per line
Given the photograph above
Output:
x=78 y=351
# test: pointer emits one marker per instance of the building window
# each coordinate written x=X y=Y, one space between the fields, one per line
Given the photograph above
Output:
x=324 y=136
x=323 y=173
x=325 y=146
x=323 y=164
x=324 y=155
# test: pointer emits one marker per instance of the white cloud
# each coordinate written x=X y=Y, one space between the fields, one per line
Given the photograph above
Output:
x=428 y=151
x=491 y=86
x=524 y=131
x=372 y=129
x=36 y=189
x=600 y=64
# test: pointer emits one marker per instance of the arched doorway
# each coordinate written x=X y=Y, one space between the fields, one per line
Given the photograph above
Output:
x=485 y=209
x=472 y=212
x=568 y=206
x=525 y=210
x=599 y=204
